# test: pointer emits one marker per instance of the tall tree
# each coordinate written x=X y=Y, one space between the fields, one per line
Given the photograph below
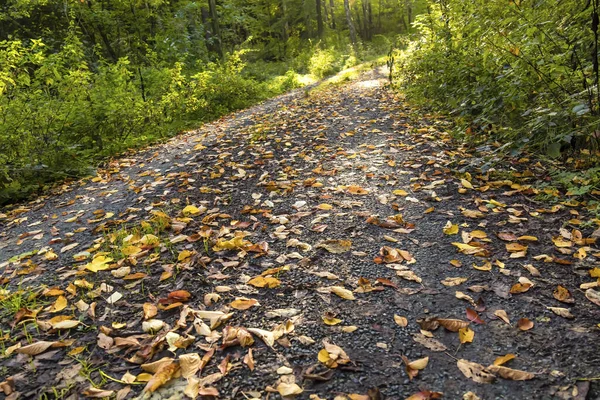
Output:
x=331 y=9
x=320 y=28
x=216 y=28
x=349 y=22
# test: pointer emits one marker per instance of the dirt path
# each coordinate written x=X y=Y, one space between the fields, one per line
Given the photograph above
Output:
x=338 y=216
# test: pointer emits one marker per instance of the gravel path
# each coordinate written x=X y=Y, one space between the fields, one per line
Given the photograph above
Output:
x=338 y=197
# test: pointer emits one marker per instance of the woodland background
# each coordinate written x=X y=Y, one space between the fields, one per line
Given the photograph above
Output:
x=82 y=80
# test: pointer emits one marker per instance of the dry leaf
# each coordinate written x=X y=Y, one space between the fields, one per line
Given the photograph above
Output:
x=509 y=373
x=342 y=292
x=242 y=303
x=430 y=343
x=466 y=335
x=401 y=321
x=502 y=315
x=561 y=312
x=162 y=376
x=289 y=389
x=475 y=371
x=266 y=336
x=35 y=348
x=504 y=359
x=453 y=325
x=525 y=324
x=593 y=296
x=335 y=246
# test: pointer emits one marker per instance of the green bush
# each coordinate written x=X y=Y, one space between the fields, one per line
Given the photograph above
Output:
x=523 y=73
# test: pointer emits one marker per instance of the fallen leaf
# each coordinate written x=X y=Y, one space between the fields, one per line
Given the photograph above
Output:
x=35 y=348
x=335 y=246
x=401 y=321
x=413 y=367
x=509 y=373
x=525 y=324
x=242 y=303
x=466 y=335
x=342 y=292
x=164 y=374
x=453 y=325
x=593 y=296
x=430 y=343
x=289 y=389
x=474 y=371
x=504 y=359
x=502 y=315
x=562 y=294
x=561 y=312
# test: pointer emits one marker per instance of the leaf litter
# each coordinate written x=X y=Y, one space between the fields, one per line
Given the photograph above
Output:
x=353 y=242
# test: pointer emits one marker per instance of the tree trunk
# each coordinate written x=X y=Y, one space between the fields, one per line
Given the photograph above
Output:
x=214 y=19
x=349 y=21
x=331 y=7
x=319 y=19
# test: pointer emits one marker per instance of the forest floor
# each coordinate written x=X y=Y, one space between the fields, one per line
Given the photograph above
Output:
x=329 y=243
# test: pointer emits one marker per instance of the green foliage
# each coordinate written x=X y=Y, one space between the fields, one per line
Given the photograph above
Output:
x=83 y=80
x=518 y=71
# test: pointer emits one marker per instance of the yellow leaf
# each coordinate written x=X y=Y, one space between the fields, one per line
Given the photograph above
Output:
x=50 y=256
x=331 y=321
x=450 y=228
x=59 y=305
x=487 y=266
x=243 y=304
x=342 y=292
x=401 y=321
x=130 y=250
x=504 y=359
x=400 y=192
x=99 y=263
x=261 y=282
x=466 y=184
x=324 y=206
x=466 y=335
x=184 y=255
x=237 y=242
x=191 y=210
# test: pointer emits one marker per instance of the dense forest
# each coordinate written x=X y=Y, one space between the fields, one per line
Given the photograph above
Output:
x=84 y=79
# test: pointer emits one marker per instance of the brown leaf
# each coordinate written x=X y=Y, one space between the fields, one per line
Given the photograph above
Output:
x=509 y=373
x=502 y=315
x=162 y=376
x=453 y=325
x=520 y=288
x=189 y=364
x=401 y=321
x=593 y=296
x=179 y=295
x=561 y=312
x=562 y=294
x=35 y=348
x=335 y=246
x=473 y=316
x=475 y=371
x=525 y=324
x=150 y=311
x=430 y=343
